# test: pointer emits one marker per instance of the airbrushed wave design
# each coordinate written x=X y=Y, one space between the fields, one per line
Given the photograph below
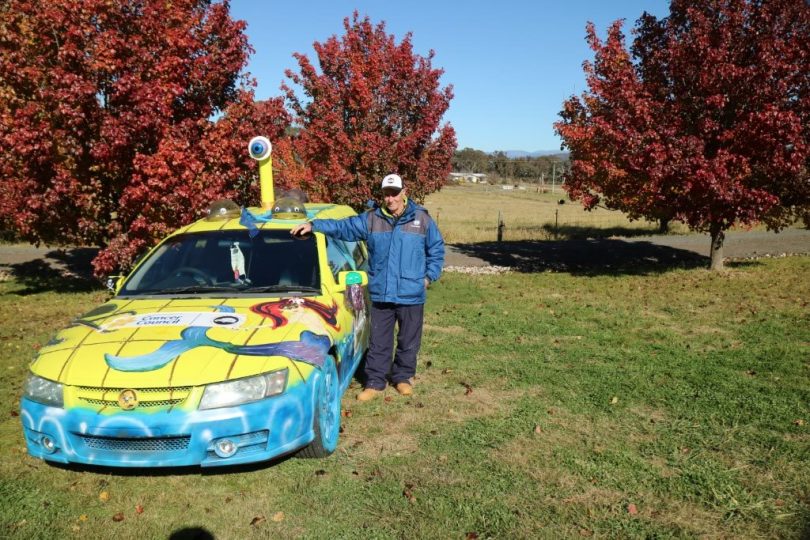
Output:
x=274 y=311
x=311 y=348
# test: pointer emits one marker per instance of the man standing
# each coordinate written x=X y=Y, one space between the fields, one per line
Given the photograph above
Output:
x=406 y=254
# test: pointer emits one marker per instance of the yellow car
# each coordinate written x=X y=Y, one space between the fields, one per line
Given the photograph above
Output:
x=230 y=342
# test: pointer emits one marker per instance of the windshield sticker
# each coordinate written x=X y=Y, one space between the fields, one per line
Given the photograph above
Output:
x=186 y=318
x=280 y=310
x=238 y=263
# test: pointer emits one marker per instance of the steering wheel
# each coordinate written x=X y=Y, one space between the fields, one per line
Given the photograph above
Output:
x=195 y=273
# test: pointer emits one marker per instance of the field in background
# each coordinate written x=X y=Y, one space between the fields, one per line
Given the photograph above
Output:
x=674 y=404
x=469 y=213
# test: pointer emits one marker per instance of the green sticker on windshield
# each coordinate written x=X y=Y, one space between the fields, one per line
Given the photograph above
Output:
x=353 y=278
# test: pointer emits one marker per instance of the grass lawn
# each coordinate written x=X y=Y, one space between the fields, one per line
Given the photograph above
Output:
x=669 y=404
x=469 y=213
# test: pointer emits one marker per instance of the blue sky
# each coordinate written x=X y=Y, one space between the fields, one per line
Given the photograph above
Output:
x=511 y=63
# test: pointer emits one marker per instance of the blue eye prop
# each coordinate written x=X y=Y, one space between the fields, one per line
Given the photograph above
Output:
x=260 y=148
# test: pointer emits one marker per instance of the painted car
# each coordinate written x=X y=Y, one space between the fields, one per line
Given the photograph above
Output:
x=230 y=342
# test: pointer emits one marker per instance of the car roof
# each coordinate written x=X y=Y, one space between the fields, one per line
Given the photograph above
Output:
x=314 y=211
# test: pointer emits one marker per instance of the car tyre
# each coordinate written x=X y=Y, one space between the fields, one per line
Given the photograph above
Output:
x=326 y=418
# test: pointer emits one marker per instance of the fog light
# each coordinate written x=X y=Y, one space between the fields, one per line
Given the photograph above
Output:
x=47 y=444
x=225 y=448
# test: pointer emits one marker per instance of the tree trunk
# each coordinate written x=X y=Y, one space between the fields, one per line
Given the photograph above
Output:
x=718 y=235
x=663 y=226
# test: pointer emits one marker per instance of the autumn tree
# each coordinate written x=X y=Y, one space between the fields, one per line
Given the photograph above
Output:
x=105 y=119
x=373 y=107
x=704 y=120
x=471 y=160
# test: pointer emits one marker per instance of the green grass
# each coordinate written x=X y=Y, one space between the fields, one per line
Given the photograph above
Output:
x=685 y=393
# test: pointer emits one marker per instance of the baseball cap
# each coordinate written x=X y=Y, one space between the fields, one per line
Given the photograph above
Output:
x=392 y=181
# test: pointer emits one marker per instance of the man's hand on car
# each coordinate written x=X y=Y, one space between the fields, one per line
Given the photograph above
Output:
x=301 y=230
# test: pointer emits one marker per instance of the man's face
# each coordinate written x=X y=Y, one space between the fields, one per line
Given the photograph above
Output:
x=394 y=200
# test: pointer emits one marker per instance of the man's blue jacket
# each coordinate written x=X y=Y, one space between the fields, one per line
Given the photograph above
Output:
x=402 y=252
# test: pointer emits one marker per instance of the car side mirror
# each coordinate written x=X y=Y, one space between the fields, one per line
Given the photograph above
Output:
x=114 y=283
x=351 y=277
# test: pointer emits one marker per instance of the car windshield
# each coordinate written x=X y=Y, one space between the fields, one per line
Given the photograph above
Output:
x=228 y=262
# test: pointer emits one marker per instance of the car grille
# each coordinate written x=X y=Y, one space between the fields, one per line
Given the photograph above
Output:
x=136 y=444
x=147 y=397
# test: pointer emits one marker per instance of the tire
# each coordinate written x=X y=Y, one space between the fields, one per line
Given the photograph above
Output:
x=326 y=417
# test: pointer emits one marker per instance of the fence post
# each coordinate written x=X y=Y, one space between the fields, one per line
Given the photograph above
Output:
x=500 y=227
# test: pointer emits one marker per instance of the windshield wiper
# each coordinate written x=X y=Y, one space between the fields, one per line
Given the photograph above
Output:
x=281 y=288
x=192 y=289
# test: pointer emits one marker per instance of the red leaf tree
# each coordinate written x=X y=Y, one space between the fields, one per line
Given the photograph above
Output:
x=705 y=120
x=105 y=126
x=374 y=108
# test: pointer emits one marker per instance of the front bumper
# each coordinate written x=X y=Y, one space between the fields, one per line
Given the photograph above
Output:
x=260 y=430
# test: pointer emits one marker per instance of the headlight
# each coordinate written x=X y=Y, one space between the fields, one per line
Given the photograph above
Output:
x=43 y=391
x=228 y=394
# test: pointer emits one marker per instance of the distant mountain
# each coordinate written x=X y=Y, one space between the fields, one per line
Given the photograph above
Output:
x=523 y=153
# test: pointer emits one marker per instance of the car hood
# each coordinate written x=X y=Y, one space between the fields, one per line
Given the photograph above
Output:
x=153 y=343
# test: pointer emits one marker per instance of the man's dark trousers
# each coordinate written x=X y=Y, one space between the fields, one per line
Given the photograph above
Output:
x=381 y=343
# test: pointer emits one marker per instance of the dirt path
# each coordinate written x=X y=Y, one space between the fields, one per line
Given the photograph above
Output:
x=609 y=255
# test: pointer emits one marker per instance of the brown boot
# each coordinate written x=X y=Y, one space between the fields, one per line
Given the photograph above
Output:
x=404 y=389
x=368 y=394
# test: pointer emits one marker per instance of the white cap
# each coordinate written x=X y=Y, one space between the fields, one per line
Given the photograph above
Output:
x=392 y=181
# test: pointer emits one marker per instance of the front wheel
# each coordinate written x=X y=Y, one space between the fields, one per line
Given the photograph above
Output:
x=326 y=418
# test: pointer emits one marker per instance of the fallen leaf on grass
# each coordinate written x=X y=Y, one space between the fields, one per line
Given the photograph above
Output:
x=631 y=509
x=139 y=509
x=104 y=496
x=685 y=450
x=347 y=413
x=445 y=371
x=750 y=372
x=75 y=528
x=258 y=520
x=585 y=532
x=83 y=517
x=278 y=517
x=228 y=499
x=537 y=429
x=798 y=422
x=118 y=517
x=467 y=389
x=388 y=399
x=471 y=536
x=614 y=401
x=408 y=493
x=15 y=413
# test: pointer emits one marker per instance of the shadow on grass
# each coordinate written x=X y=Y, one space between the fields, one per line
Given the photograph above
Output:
x=61 y=270
x=191 y=533
x=602 y=256
x=185 y=470
x=581 y=232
